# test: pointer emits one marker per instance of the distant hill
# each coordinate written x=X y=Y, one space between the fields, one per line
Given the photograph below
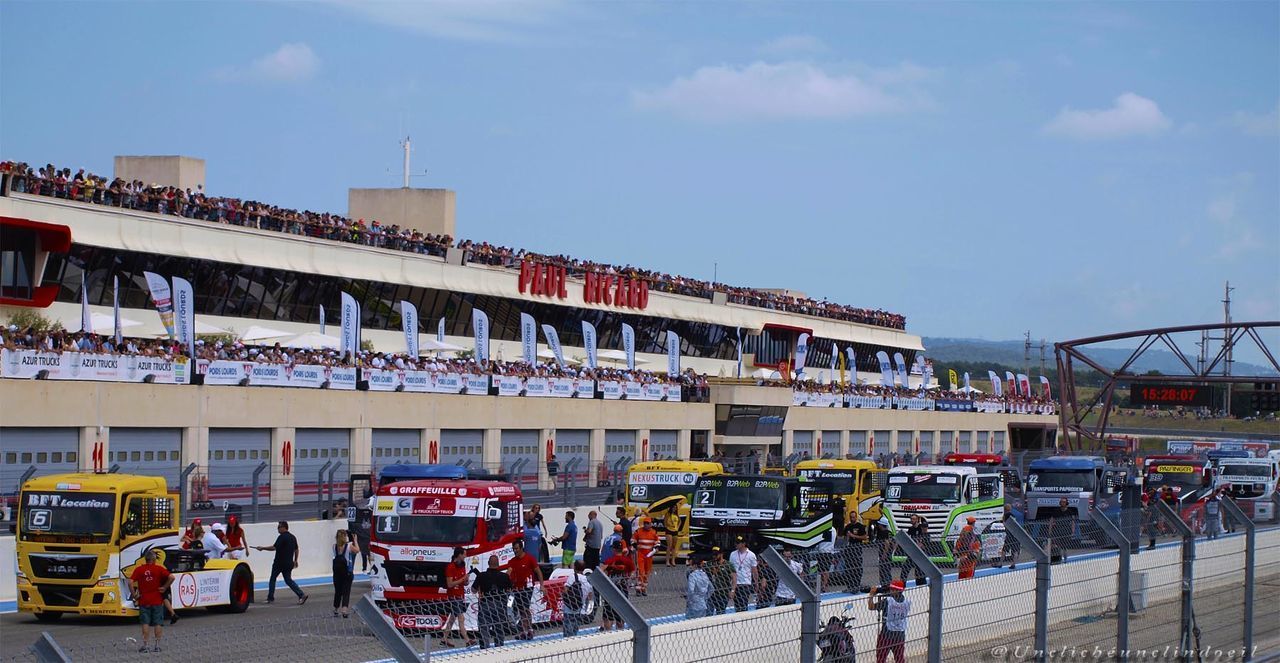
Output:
x=1010 y=353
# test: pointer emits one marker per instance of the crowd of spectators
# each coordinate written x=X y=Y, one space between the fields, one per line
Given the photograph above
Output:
x=872 y=390
x=86 y=187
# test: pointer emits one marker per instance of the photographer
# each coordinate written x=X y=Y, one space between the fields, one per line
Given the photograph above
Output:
x=894 y=609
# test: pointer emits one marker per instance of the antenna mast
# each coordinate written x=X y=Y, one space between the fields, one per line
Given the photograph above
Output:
x=406 y=161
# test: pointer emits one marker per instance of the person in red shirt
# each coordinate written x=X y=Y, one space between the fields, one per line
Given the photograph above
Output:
x=619 y=568
x=455 y=578
x=523 y=570
x=149 y=583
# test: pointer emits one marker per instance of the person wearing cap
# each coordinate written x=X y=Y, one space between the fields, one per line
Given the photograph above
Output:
x=618 y=568
x=646 y=544
x=968 y=548
x=894 y=611
x=721 y=582
x=617 y=536
x=882 y=538
x=237 y=544
x=212 y=541
x=746 y=575
x=697 y=589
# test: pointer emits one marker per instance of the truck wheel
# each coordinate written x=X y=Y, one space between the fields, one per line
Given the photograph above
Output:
x=48 y=616
x=240 y=591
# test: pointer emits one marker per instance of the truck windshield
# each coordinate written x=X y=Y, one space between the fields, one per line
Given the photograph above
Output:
x=52 y=515
x=739 y=494
x=1176 y=475
x=1062 y=481
x=840 y=481
x=1259 y=471
x=923 y=488
x=443 y=530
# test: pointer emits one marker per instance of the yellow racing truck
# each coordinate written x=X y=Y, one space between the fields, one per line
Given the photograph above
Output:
x=80 y=536
x=658 y=488
x=857 y=482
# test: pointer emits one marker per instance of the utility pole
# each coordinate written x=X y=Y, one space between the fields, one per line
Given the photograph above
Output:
x=1042 y=347
x=406 y=161
x=1026 y=353
x=1227 y=344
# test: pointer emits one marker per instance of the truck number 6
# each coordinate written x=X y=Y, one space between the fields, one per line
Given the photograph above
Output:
x=39 y=519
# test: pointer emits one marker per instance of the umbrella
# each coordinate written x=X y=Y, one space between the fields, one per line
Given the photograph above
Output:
x=432 y=345
x=312 y=341
x=106 y=324
x=618 y=356
x=206 y=329
x=256 y=333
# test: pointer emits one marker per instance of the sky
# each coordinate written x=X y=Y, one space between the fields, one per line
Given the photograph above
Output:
x=985 y=169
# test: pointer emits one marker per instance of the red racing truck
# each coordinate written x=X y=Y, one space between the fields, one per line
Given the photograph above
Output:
x=1190 y=477
x=417 y=524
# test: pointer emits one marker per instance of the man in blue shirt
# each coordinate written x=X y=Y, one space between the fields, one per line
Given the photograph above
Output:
x=568 y=541
x=532 y=535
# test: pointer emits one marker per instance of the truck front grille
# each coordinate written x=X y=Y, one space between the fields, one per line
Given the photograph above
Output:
x=60 y=595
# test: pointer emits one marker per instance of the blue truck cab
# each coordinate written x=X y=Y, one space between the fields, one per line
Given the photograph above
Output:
x=1082 y=480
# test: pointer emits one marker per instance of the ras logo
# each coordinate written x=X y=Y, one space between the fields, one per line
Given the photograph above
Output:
x=187 y=590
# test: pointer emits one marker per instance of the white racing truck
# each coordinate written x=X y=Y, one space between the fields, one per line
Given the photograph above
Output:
x=945 y=497
x=1252 y=483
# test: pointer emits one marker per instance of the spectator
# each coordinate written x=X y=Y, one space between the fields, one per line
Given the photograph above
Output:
x=623 y=520
x=826 y=558
x=1062 y=524
x=592 y=538
x=493 y=587
x=1212 y=516
x=286 y=560
x=542 y=551
x=532 y=535
x=148 y=583
x=616 y=537
x=697 y=590
x=968 y=549
x=237 y=544
x=568 y=541
x=1009 y=551
x=722 y=576
x=883 y=540
x=671 y=526
x=212 y=542
x=576 y=595
x=894 y=611
x=455 y=575
x=855 y=536
x=919 y=533
x=746 y=578
x=619 y=569
x=785 y=596
x=646 y=545
x=524 y=572
x=344 y=561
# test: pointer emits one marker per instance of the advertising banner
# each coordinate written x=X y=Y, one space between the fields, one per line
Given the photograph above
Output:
x=538 y=387
x=277 y=375
x=409 y=324
x=553 y=341
x=902 y=369
x=589 y=343
x=162 y=297
x=476 y=385
x=480 y=327
x=184 y=314
x=509 y=386
x=611 y=391
x=886 y=370
x=802 y=356
x=528 y=339
x=350 y=321
x=629 y=345
x=673 y=354
x=27 y=364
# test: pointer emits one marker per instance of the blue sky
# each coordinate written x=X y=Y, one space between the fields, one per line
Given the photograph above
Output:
x=983 y=168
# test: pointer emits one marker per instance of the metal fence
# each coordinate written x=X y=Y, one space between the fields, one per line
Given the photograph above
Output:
x=1162 y=592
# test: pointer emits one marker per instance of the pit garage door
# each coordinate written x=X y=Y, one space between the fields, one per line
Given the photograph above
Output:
x=150 y=451
x=50 y=450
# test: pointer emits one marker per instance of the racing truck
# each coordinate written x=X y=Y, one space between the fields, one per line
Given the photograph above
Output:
x=764 y=510
x=416 y=525
x=1084 y=481
x=80 y=537
x=945 y=497
x=1251 y=482
x=1191 y=478
x=857 y=483
x=656 y=488
x=996 y=463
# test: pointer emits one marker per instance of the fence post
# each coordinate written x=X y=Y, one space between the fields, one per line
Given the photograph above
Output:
x=182 y=488
x=320 y=486
x=333 y=470
x=922 y=561
x=26 y=475
x=1250 y=539
x=606 y=590
x=47 y=650
x=1122 y=581
x=386 y=633
x=257 y=472
x=1188 y=561
x=1043 y=580
x=115 y=467
x=809 y=618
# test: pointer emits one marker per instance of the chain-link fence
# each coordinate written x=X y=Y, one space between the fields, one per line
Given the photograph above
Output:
x=993 y=592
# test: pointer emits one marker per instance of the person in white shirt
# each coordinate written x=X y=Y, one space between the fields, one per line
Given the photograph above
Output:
x=746 y=578
x=784 y=595
x=213 y=543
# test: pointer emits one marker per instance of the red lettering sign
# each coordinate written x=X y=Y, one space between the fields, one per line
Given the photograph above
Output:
x=553 y=281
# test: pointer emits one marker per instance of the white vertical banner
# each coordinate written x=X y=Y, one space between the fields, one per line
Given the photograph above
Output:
x=553 y=341
x=967 y=388
x=1044 y=387
x=886 y=369
x=589 y=343
x=835 y=353
x=86 y=321
x=1024 y=385
x=529 y=338
x=162 y=298
x=928 y=376
x=902 y=369
x=409 y=322
x=629 y=345
x=995 y=382
x=184 y=314
x=349 y=340
x=480 y=327
x=322 y=319
x=440 y=330
x=673 y=354
x=738 y=345
x=117 y=329
x=1011 y=381
x=802 y=355
x=853 y=364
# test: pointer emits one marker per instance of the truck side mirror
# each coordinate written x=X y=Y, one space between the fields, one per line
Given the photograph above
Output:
x=493 y=513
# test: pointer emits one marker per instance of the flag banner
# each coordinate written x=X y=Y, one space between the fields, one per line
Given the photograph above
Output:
x=886 y=369
x=1024 y=385
x=928 y=376
x=953 y=379
x=440 y=331
x=802 y=355
x=553 y=340
x=162 y=298
x=184 y=314
x=997 y=386
x=835 y=354
x=348 y=339
x=480 y=327
x=322 y=319
x=1010 y=382
x=853 y=364
x=409 y=323
x=1044 y=387
x=528 y=339
x=966 y=381
x=673 y=354
x=902 y=369
x=738 y=346
x=117 y=329
x=841 y=364
x=86 y=322
x=629 y=345
x=589 y=344
x=88 y=366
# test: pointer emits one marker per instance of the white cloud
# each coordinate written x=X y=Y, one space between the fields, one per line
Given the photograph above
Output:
x=1132 y=115
x=471 y=20
x=1238 y=236
x=1254 y=124
x=788 y=90
x=291 y=62
x=794 y=44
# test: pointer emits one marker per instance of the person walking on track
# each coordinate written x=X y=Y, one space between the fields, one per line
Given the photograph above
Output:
x=646 y=540
x=344 y=564
x=286 y=560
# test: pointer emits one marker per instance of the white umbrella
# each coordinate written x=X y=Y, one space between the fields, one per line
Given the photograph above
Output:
x=106 y=324
x=206 y=329
x=432 y=345
x=762 y=373
x=257 y=333
x=312 y=341
x=618 y=356
x=546 y=353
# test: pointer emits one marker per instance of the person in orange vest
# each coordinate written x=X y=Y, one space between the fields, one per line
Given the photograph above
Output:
x=646 y=543
x=967 y=550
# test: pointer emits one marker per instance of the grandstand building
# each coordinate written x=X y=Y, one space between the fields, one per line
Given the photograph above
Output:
x=248 y=272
